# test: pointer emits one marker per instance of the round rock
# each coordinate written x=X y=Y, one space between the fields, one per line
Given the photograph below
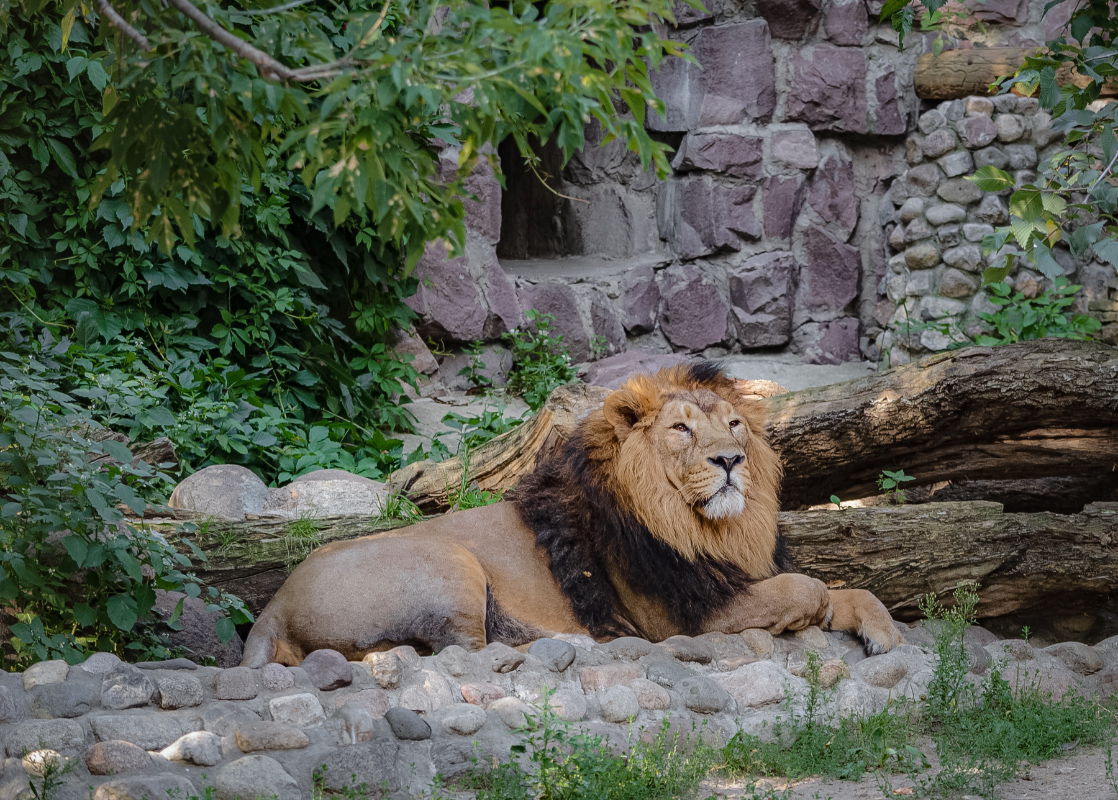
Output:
x=375 y=701
x=702 y=695
x=327 y=670
x=408 y=725
x=555 y=655
x=99 y=663
x=227 y=491
x=255 y=776
x=145 y=787
x=45 y=672
x=464 y=719
x=512 y=710
x=115 y=758
x=685 y=648
x=276 y=677
x=124 y=686
x=619 y=704
x=651 y=695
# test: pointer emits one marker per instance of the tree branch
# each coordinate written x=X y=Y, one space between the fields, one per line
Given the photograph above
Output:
x=269 y=68
x=118 y=22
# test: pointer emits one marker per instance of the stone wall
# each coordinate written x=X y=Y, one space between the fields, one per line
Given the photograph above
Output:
x=769 y=235
x=396 y=719
x=936 y=221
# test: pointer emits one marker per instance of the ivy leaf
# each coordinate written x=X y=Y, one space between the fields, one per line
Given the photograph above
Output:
x=122 y=611
x=97 y=75
x=63 y=157
x=76 y=66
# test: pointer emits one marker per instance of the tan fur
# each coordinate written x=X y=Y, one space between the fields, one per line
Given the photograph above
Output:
x=688 y=459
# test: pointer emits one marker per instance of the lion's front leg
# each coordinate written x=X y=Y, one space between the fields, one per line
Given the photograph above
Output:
x=788 y=602
x=859 y=612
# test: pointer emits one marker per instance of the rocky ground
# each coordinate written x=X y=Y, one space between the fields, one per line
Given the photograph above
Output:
x=398 y=719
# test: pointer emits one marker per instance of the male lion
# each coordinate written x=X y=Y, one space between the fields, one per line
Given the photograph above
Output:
x=657 y=518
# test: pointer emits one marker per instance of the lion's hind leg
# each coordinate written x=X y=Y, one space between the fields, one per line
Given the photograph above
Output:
x=859 y=612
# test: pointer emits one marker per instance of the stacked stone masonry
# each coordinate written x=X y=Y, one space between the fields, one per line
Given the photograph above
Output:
x=396 y=719
x=774 y=229
x=936 y=220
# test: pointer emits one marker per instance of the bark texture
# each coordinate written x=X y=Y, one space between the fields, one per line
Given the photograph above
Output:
x=961 y=73
x=901 y=553
x=982 y=416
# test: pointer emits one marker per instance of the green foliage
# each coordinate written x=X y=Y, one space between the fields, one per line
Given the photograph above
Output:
x=540 y=362
x=472 y=372
x=52 y=770
x=1019 y=318
x=357 y=107
x=890 y=483
x=238 y=350
x=836 y=501
x=1075 y=199
x=557 y=763
x=949 y=626
x=983 y=734
x=80 y=577
x=812 y=745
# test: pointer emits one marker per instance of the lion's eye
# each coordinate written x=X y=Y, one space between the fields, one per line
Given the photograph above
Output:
x=679 y=426
x=734 y=423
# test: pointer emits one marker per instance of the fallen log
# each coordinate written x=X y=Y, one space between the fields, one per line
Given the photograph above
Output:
x=901 y=553
x=955 y=74
x=1027 y=411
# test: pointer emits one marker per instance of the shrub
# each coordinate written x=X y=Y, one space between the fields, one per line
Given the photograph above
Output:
x=75 y=574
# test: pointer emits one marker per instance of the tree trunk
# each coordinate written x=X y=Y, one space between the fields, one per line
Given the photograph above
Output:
x=1019 y=561
x=901 y=553
x=961 y=73
x=1024 y=412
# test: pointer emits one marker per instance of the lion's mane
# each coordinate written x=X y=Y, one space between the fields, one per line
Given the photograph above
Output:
x=592 y=517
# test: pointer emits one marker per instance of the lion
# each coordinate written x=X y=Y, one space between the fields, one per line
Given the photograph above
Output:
x=657 y=517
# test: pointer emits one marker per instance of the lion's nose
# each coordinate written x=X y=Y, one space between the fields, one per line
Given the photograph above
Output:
x=727 y=462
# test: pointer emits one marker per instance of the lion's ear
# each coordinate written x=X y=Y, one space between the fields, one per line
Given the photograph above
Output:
x=624 y=409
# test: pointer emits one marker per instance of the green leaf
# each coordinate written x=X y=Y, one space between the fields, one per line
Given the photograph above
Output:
x=77 y=547
x=76 y=66
x=1107 y=250
x=63 y=157
x=118 y=450
x=226 y=630
x=122 y=611
x=1049 y=88
x=97 y=75
x=85 y=615
x=991 y=179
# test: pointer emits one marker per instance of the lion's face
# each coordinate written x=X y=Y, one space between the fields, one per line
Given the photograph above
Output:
x=686 y=454
x=702 y=442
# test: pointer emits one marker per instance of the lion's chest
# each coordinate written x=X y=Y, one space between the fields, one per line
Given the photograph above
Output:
x=648 y=614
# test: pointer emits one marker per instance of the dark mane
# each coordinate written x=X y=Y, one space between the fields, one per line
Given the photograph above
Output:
x=580 y=524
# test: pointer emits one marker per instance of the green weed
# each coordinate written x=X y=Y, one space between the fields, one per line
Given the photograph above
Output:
x=556 y=763
x=890 y=483
x=540 y=361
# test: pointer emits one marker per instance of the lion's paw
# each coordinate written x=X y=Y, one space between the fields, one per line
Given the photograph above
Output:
x=879 y=636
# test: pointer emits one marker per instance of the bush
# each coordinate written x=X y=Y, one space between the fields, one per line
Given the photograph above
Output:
x=540 y=362
x=75 y=575
x=244 y=349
